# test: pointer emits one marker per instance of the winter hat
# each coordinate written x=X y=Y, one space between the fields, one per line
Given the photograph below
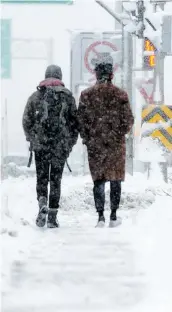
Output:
x=103 y=68
x=53 y=71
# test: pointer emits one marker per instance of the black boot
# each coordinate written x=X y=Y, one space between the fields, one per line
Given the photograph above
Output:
x=113 y=215
x=52 y=218
x=115 y=196
x=114 y=221
x=43 y=210
x=101 y=219
x=99 y=198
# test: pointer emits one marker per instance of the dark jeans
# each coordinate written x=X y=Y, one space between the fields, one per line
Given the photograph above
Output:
x=99 y=194
x=49 y=168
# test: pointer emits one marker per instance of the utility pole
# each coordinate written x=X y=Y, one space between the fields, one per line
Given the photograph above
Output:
x=138 y=74
x=159 y=81
x=140 y=18
x=159 y=68
x=118 y=26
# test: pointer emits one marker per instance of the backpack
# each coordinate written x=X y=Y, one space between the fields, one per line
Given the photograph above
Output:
x=51 y=115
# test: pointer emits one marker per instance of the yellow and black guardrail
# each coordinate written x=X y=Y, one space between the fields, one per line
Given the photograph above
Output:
x=159 y=113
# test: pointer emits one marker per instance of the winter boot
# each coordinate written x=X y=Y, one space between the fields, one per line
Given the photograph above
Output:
x=114 y=221
x=52 y=218
x=43 y=210
x=101 y=220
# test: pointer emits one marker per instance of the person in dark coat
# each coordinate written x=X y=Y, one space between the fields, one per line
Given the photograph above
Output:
x=51 y=152
x=105 y=117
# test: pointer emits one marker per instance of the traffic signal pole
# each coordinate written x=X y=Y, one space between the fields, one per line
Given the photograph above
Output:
x=139 y=75
x=159 y=68
x=126 y=78
x=159 y=85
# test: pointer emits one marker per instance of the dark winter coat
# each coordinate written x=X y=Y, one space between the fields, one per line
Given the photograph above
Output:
x=31 y=128
x=105 y=117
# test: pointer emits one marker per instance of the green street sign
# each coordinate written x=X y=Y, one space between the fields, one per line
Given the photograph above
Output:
x=5 y=48
x=38 y=1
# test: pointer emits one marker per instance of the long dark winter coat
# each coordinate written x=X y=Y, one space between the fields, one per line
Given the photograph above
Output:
x=105 y=117
x=31 y=128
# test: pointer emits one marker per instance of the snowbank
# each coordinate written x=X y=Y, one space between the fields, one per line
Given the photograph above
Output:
x=19 y=204
x=139 y=250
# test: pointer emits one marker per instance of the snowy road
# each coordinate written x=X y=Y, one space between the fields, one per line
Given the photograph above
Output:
x=79 y=267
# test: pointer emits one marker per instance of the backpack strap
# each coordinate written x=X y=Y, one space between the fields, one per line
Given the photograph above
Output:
x=43 y=91
x=45 y=108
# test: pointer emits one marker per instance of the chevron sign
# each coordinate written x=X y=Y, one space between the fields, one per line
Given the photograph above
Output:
x=160 y=118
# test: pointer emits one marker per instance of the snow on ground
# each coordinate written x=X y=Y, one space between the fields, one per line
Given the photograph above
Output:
x=79 y=267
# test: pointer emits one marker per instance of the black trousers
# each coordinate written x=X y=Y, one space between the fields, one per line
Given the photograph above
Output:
x=99 y=194
x=49 y=168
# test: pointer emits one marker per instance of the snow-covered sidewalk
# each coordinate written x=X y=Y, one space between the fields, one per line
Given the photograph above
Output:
x=79 y=267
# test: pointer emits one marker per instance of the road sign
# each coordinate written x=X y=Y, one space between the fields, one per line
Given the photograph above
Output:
x=5 y=48
x=38 y=1
x=99 y=50
x=146 y=88
x=160 y=116
x=86 y=48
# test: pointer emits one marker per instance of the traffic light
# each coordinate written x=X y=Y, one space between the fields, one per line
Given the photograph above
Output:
x=149 y=60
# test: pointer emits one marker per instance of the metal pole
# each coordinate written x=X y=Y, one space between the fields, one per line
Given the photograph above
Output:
x=139 y=101
x=140 y=18
x=159 y=76
x=129 y=82
x=161 y=65
x=120 y=27
x=123 y=47
x=158 y=95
